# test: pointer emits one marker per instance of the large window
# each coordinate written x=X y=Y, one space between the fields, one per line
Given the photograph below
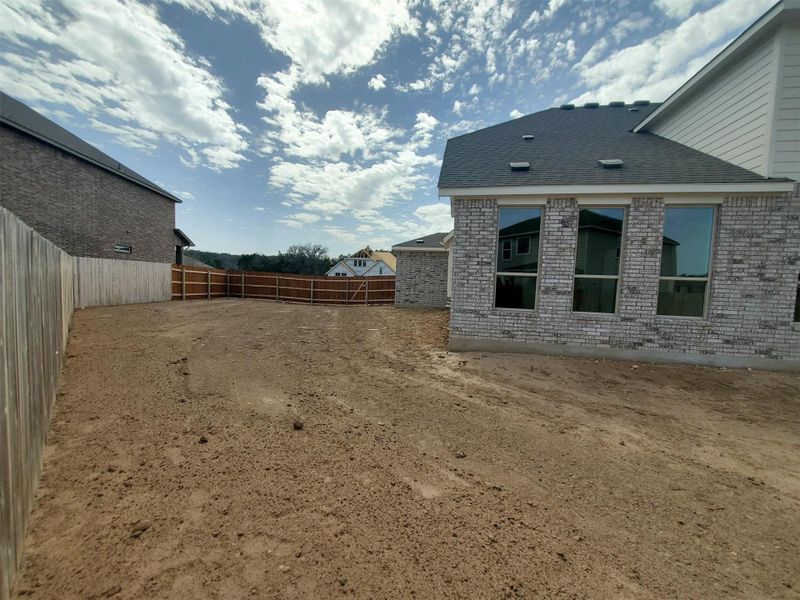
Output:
x=685 y=259
x=597 y=260
x=517 y=257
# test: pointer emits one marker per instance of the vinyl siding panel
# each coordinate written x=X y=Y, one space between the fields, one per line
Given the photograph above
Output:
x=786 y=147
x=730 y=117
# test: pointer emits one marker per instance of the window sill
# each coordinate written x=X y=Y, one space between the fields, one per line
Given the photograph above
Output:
x=680 y=318
x=526 y=311
x=585 y=315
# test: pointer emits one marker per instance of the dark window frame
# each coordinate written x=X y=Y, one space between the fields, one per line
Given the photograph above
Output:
x=500 y=249
x=711 y=256
x=620 y=257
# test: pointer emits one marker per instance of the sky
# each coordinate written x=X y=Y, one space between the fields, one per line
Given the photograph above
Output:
x=324 y=121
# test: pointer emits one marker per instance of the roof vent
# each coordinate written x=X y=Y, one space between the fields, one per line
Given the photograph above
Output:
x=528 y=137
x=611 y=163
x=419 y=241
x=633 y=109
x=520 y=166
x=567 y=106
x=616 y=103
x=591 y=105
x=641 y=103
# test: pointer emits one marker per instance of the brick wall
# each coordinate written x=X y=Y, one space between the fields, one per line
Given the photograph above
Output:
x=421 y=279
x=81 y=208
x=755 y=266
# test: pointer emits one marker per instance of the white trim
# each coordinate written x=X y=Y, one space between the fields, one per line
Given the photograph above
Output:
x=717 y=62
x=632 y=189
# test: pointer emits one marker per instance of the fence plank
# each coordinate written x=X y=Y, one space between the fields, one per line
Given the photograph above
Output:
x=36 y=303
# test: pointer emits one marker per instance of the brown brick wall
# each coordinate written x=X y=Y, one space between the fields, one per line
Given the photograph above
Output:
x=79 y=207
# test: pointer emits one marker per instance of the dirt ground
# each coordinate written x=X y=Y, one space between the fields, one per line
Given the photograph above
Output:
x=174 y=470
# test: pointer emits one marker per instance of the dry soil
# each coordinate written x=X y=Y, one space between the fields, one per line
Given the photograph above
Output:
x=175 y=467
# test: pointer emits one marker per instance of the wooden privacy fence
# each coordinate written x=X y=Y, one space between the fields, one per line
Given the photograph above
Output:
x=192 y=283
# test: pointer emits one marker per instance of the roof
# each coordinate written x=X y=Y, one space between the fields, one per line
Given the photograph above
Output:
x=434 y=241
x=17 y=115
x=763 y=26
x=365 y=252
x=387 y=257
x=182 y=236
x=567 y=146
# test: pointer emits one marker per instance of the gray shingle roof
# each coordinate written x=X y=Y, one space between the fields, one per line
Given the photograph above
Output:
x=428 y=242
x=21 y=117
x=566 y=147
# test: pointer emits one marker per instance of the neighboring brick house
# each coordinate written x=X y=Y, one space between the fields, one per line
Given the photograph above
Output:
x=699 y=258
x=79 y=198
x=422 y=272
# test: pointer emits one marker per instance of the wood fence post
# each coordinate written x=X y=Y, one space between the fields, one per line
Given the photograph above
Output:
x=209 y=284
x=227 y=283
x=183 y=282
x=242 y=284
x=347 y=297
x=366 y=291
x=312 y=289
x=277 y=287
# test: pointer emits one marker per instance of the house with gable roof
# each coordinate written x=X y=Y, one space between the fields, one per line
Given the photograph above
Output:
x=364 y=263
x=645 y=231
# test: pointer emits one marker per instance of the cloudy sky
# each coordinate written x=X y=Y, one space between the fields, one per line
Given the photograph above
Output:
x=325 y=121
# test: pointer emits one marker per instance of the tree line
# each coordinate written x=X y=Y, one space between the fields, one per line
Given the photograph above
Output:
x=304 y=259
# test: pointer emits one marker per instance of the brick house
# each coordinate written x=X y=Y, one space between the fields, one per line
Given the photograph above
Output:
x=640 y=231
x=423 y=271
x=80 y=198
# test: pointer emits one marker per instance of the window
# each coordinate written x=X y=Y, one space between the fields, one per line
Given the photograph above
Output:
x=124 y=248
x=797 y=302
x=515 y=285
x=685 y=259
x=597 y=259
x=506 y=249
x=524 y=245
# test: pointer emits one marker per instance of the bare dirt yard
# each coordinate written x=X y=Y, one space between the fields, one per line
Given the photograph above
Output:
x=174 y=469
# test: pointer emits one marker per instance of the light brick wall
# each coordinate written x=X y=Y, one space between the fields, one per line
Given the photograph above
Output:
x=82 y=209
x=755 y=266
x=421 y=279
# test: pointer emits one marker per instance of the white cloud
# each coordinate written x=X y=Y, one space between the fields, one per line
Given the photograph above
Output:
x=458 y=106
x=435 y=217
x=629 y=25
x=378 y=82
x=516 y=114
x=320 y=37
x=677 y=9
x=118 y=61
x=298 y=220
x=537 y=16
x=184 y=195
x=259 y=208
x=341 y=234
x=474 y=90
x=657 y=66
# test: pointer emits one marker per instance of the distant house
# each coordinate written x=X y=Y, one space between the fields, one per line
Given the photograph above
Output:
x=365 y=263
x=634 y=230
x=423 y=271
x=79 y=198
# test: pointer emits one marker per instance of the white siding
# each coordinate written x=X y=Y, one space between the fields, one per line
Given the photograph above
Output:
x=786 y=145
x=730 y=117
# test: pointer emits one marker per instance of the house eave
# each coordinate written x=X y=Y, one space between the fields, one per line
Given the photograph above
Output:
x=409 y=249
x=761 y=187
